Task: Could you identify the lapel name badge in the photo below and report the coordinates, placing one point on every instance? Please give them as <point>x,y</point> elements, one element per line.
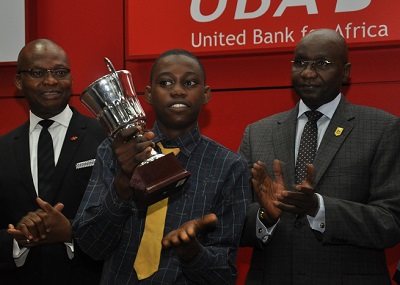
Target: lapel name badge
<point>87,163</point>
<point>338,131</point>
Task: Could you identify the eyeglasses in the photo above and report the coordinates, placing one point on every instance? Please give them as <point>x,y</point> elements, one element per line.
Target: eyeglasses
<point>40,73</point>
<point>318,65</point>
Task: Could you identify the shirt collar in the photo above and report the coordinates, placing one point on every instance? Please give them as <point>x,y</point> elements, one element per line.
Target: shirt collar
<point>62,118</point>
<point>327,109</point>
<point>186,142</point>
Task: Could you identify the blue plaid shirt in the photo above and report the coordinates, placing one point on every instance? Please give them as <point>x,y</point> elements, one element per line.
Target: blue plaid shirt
<point>110,229</point>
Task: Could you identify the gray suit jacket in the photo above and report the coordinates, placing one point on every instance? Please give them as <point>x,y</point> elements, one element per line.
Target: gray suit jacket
<point>358,176</point>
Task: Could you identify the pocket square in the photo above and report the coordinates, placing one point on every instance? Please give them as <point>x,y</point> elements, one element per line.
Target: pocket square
<point>83,164</point>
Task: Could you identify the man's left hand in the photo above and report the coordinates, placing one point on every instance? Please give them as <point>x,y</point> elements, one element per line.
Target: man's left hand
<point>304,200</point>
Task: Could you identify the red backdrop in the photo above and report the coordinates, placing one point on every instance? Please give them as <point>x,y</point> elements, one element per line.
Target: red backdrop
<point>246,87</point>
<point>244,27</point>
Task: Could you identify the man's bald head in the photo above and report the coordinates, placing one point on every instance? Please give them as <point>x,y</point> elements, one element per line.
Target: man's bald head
<point>39,47</point>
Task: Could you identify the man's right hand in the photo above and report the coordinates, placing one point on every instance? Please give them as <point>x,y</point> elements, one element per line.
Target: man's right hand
<point>45,226</point>
<point>268,190</point>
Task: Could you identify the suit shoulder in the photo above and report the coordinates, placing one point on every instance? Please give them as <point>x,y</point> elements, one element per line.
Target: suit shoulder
<point>371,113</point>
<point>91,123</point>
<point>13,133</point>
<point>270,120</point>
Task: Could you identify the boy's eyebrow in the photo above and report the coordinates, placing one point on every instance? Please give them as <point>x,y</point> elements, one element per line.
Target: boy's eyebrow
<point>168,73</point>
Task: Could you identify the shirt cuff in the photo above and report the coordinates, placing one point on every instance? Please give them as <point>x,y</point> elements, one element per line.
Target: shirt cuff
<point>318,222</point>
<point>262,232</point>
<point>70,249</point>
<point>19,254</point>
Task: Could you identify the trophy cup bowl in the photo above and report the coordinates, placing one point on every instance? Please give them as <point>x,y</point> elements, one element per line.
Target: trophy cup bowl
<point>113,101</point>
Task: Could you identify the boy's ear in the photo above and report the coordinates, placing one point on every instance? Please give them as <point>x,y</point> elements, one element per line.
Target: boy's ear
<point>147,94</point>
<point>207,95</point>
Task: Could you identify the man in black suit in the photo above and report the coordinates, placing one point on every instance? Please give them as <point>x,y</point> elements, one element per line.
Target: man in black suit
<point>36,243</point>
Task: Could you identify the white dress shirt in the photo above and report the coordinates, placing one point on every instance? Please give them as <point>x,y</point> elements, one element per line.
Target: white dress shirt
<point>57,131</point>
<point>318,222</point>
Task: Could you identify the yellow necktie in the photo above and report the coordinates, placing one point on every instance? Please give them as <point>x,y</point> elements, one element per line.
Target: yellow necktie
<point>149,252</point>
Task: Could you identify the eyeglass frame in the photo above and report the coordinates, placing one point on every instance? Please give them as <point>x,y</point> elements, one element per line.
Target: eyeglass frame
<point>313,62</point>
<point>29,71</point>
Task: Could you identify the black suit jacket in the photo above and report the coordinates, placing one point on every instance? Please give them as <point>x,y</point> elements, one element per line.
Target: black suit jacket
<point>357,174</point>
<point>46,264</point>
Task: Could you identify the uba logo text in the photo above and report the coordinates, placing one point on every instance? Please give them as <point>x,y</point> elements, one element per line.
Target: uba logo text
<point>311,5</point>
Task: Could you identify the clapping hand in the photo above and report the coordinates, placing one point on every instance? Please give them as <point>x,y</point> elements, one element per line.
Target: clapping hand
<point>303,200</point>
<point>268,190</point>
<point>45,225</point>
<point>184,239</point>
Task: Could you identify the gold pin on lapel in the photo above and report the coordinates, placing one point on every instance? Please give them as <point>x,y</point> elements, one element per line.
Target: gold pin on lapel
<point>74,138</point>
<point>338,131</point>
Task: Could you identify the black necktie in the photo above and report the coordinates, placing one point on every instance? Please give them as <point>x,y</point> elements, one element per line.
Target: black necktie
<point>308,145</point>
<point>45,158</point>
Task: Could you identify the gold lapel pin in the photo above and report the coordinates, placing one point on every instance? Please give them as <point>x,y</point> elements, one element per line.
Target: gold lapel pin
<point>338,131</point>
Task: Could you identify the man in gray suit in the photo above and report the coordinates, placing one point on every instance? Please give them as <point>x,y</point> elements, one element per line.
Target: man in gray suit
<point>331,226</point>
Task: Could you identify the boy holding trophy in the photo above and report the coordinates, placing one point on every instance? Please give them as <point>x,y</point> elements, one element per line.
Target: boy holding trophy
<point>197,229</point>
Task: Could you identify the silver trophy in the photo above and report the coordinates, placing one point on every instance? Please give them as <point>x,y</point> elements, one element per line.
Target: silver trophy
<point>113,100</point>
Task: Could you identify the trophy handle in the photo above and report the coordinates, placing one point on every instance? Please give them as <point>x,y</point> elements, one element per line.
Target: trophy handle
<point>113,72</point>
<point>110,66</point>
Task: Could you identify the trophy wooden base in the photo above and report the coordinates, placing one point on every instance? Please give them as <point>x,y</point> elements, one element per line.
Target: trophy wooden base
<point>158,179</point>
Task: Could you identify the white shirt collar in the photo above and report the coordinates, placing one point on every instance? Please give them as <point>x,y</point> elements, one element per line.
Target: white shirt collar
<point>62,118</point>
<point>327,109</point>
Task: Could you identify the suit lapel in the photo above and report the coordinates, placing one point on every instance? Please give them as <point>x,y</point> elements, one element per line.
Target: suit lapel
<point>22,156</point>
<point>284,139</point>
<point>339,128</point>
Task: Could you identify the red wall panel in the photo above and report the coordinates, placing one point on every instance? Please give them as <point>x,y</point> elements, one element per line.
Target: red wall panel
<point>7,87</point>
<point>87,30</point>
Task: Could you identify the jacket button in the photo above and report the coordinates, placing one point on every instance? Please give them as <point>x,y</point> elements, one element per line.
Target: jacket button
<point>298,224</point>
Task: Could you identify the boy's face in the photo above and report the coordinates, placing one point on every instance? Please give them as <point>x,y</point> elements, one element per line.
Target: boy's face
<point>177,93</point>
